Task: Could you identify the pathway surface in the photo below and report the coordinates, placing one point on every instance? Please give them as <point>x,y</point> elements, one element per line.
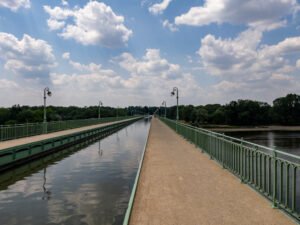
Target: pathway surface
<point>27,140</point>
<point>179,185</point>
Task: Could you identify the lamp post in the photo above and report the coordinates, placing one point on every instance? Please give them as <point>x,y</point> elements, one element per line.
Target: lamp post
<point>175,90</point>
<point>49,93</point>
<point>100,104</point>
<point>164,103</point>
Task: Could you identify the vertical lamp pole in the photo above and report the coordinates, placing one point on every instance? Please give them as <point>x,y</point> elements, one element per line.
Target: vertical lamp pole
<point>175,90</point>
<point>100,104</point>
<point>46,92</point>
<point>164,103</point>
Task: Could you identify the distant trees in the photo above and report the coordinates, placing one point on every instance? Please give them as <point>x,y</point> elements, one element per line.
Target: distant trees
<point>27,114</point>
<point>285,111</point>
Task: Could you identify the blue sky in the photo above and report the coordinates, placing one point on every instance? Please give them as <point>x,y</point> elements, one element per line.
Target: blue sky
<point>134,52</point>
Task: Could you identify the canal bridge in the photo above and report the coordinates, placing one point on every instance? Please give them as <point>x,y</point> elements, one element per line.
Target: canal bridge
<point>186,175</point>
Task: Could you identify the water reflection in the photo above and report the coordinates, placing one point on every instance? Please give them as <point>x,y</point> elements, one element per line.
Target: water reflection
<point>47,193</point>
<point>89,186</point>
<point>100,151</point>
<point>283,140</point>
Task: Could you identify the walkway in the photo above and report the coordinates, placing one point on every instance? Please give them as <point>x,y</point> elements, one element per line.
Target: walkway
<point>27,140</point>
<point>179,185</point>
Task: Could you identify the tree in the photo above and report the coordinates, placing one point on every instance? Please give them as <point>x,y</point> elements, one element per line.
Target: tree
<point>287,109</point>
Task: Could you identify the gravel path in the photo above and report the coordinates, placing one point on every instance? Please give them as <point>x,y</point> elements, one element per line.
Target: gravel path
<point>179,185</point>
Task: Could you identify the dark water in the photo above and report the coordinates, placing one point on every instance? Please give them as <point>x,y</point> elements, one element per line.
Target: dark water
<point>283,140</point>
<point>87,184</point>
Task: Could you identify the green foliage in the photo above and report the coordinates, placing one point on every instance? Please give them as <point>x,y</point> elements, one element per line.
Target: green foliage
<point>25,114</point>
<point>285,111</point>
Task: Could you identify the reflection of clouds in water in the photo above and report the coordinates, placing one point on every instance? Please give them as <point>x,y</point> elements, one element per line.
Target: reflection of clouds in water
<point>25,188</point>
<point>85,188</point>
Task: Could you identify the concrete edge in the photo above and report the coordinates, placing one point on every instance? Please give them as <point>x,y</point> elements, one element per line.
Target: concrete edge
<point>134,188</point>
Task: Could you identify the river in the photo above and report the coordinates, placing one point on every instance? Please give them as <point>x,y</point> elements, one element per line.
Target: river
<point>288,141</point>
<point>87,184</point>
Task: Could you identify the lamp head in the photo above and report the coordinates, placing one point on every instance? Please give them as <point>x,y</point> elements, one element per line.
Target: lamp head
<point>49,93</point>
<point>172,93</point>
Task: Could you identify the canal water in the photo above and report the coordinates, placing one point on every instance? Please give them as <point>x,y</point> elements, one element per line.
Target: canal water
<point>86,184</point>
<point>288,141</point>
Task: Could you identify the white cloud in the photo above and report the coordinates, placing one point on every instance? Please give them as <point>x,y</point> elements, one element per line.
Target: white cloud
<point>55,24</point>
<point>66,55</point>
<point>149,80</point>
<point>14,5</point>
<point>28,56</point>
<point>172,27</point>
<point>247,68</point>
<point>7,84</point>
<point>150,65</point>
<point>94,24</point>
<point>64,2</point>
<point>159,8</point>
<point>251,12</point>
<point>245,57</point>
<point>298,64</point>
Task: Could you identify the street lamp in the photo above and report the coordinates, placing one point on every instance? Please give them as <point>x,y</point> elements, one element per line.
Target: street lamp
<point>100,104</point>
<point>175,89</point>
<point>164,103</point>
<point>49,93</point>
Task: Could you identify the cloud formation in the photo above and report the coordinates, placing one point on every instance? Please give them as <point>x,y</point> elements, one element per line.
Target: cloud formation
<point>149,76</point>
<point>172,27</point>
<point>94,24</point>
<point>14,5</point>
<point>28,56</point>
<point>152,64</point>
<point>245,55</point>
<point>247,68</point>
<point>251,12</point>
<point>159,8</point>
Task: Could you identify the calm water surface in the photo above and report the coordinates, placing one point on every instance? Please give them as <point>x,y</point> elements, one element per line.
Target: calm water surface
<point>283,140</point>
<point>81,185</point>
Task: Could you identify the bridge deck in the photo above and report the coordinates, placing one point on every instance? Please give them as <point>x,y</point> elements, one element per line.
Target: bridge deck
<point>27,140</point>
<point>180,185</point>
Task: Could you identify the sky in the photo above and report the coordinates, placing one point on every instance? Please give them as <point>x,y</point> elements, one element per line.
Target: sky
<point>134,52</point>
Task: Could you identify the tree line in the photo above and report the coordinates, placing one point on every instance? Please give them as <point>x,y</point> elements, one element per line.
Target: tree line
<point>284,111</point>
<point>32,114</point>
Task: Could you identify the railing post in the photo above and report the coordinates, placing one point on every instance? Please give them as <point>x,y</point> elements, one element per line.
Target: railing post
<point>1,131</point>
<point>274,203</point>
<point>243,162</point>
<point>223,152</point>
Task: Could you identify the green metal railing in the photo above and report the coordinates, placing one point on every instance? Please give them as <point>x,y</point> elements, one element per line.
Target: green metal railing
<point>9,132</point>
<point>273,173</point>
<point>12,156</point>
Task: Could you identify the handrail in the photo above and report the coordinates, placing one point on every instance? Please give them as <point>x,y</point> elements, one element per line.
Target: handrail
<point>135,185</point>
<point>273,173</point>
<point>271,150</point>
<point>9,132</point>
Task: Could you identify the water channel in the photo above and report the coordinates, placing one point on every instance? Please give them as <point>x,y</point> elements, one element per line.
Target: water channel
<point>86,184</point>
